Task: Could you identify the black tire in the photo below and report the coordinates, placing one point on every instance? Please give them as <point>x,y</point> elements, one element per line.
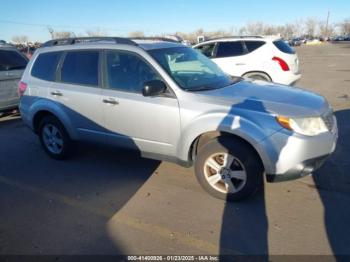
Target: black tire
<point>258,76</point>
<point>245,157</point>
<point>51,121</point>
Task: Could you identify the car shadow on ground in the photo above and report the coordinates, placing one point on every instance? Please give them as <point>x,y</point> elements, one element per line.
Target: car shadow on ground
<point>62,207</point>
<point>105,179</point>
<point>333,184</point>
<point>245,224</point>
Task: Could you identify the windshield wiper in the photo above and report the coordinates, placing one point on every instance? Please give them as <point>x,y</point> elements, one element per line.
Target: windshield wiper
<point>202,88</point>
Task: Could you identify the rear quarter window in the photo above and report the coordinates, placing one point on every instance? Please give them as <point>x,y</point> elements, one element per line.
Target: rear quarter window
<point>45,66</point>
<point>253,45</point>
<point>284,47</point>
<point>12,60</point>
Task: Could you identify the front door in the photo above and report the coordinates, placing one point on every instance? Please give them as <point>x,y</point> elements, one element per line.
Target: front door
<point>148,124</point>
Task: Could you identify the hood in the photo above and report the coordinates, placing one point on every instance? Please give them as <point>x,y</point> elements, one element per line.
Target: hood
<point>256,95</point>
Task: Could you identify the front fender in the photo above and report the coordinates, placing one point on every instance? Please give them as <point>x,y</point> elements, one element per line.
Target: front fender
<point>239,126</point>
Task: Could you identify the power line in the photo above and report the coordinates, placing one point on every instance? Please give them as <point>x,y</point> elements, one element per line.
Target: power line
<point>60,26</point>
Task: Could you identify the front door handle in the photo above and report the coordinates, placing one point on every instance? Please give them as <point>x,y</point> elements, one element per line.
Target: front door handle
<point>240,64</point>
<point>110,101</point>
<point>56,93</point>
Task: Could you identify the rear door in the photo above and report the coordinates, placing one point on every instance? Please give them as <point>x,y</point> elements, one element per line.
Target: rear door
<point>230,57</point>
<point>78,92</point>
<point>12,65</point>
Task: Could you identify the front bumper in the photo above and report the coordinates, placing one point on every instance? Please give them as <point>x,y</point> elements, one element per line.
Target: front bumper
<point>303,169</point>
<point>292,156</point>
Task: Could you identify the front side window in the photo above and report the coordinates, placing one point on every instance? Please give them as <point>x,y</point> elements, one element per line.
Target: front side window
<point>191,70</point>
<point>12,60</point>
<point>227,49</point>
<point>80,67</point>
<point>206,50</point>
<point>45,66</point>
<point>128,72</point>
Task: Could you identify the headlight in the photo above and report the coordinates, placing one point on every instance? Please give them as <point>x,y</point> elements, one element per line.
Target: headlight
<point>309,126</point>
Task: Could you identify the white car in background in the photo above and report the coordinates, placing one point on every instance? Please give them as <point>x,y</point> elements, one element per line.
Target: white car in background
<point>263,58</point>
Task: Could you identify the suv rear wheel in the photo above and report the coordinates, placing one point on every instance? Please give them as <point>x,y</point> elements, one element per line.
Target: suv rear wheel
<point>54,138</point>
<point>228,169</point>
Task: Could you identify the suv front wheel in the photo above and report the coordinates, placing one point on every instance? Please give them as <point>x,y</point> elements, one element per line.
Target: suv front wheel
<point>54,138</point>
<point>229,169</point>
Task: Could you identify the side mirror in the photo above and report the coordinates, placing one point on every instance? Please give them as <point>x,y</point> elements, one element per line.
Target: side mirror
<point>153,88</point>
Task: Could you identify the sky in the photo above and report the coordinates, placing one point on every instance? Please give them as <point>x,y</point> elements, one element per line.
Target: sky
<point>118,18</point>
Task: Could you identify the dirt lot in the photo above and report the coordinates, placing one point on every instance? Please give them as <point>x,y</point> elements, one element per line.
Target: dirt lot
<point>109,202</point>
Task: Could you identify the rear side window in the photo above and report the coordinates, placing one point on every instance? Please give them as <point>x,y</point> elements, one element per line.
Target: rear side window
<point>284,47</point>
<point>80,68</point>
<point>227,49</point>
<point>206,50</point>
<point>253,45</point>
<point>45,66</point>
<point>11,60</point>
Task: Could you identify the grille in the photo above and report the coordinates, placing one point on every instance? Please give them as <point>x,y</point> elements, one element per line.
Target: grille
<point>328,119</point>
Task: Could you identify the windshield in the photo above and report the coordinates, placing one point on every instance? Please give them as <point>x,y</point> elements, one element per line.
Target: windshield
<point>191,70</point>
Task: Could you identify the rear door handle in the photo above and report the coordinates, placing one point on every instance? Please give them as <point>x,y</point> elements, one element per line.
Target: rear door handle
<point>240,64</point>
<point>110,101</point>
<point>56,93</point>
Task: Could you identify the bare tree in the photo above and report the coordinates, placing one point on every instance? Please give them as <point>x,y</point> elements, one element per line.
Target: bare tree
<point>326,30</point>
<point>311,26</point>
<point>271,30</point>
<point>192,36</point>
<point>255,28</point>
<point>299,27</point>
<point>345,27</point>
<point>136,34</point>
<point>63,34</point>
<point>289,31</point>
<point>21,39</point>
<point>96,32</point>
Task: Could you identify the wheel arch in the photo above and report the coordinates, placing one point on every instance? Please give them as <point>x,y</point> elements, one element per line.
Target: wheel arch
<point>258,72</point>
<point>43,110</point>
<point>204,138</point>
<point>38,117</point>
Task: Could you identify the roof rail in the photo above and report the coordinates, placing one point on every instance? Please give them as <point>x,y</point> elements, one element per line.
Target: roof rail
<point>6,45</point>
<point>239,36</point>
<point>165,39</point>
<point>76,40</point>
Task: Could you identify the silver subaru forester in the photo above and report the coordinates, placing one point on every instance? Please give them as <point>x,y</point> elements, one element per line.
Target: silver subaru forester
<point>170,102</point>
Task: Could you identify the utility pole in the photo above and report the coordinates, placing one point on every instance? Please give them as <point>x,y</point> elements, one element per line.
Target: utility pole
<point>51,31</point>
<point>327,34</point>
